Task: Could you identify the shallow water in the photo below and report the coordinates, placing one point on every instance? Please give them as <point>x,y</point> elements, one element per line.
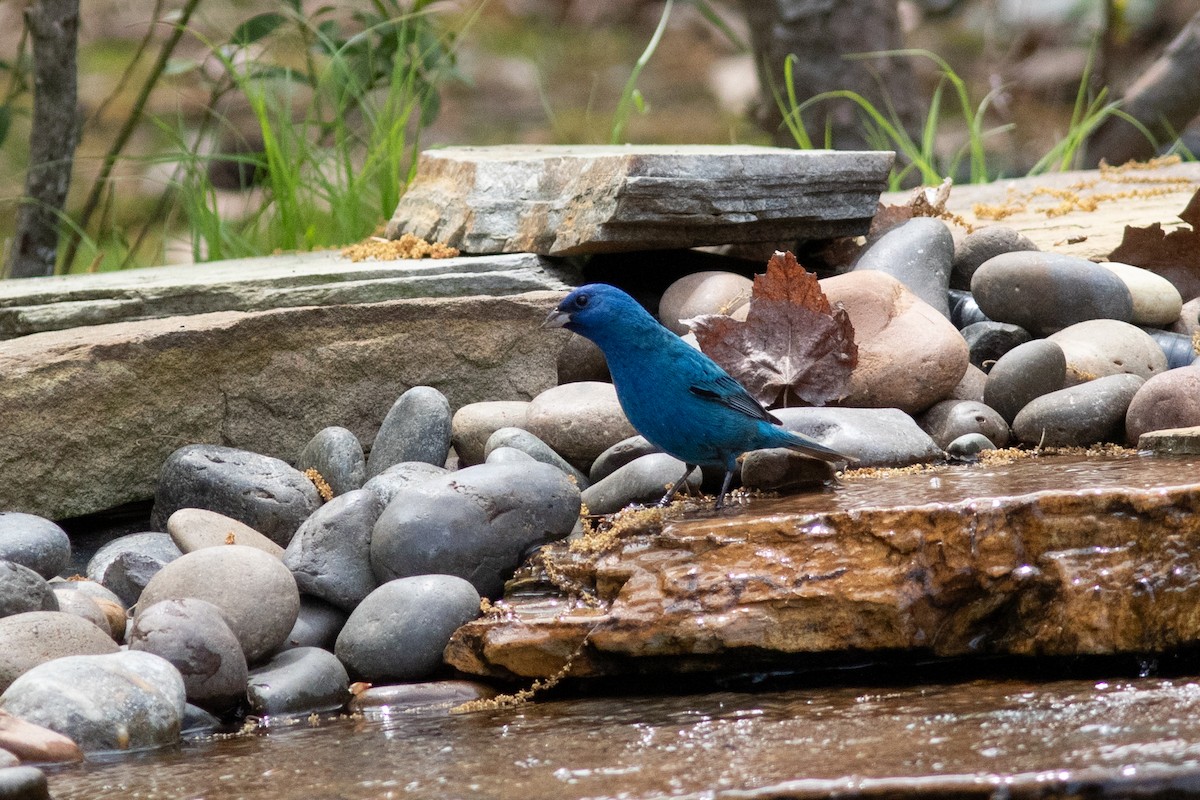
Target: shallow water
<point>808,736</point>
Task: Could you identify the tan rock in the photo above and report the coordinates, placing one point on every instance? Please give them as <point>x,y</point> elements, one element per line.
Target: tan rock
<point>1169,400</point>
<point>899,562</point>
<point>909,355</point>
<point>34,637</point>
<point>1098,348</point>
<point>579,420</point>
<point>196,528</point>
<point>30,742</point>
<point>88,415</point>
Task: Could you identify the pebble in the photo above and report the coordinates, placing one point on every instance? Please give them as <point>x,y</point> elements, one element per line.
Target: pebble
<point>23,783</point>
<point>919,253</point>
<point>981,245</point>
<point>330,556</point>
<point>877,437</point>
<point>192,634</point>
<point>121,701</point>
<point>476,523</point>
<point>337,455</point>
<point>779,469</point>
<point>579,421</point>
<point>198,722</point>
<point>909,355</point>
<point>126,564</point>
<point>1156,301</point>
<point>952,419</point>
<point>112,606</point>
<point>400,630</point>
<point>699,293</point>
<point>1101,347</point>
<point>1046,292</point>
<point>643,480</point>
<point>987,341</point>
<point>531,445</point>
<point>22,589</point>
<point>35,637</point>
<point>1179,349</point>
<point>30,742</point>
<point>400,476</point>
<point>969,445</point>
<point>972,385</point>
<point>420,697</point>
<point>1189,318</point>
<point>581,360</point>
<point>619,455</point>
<point>1169,400</point>
<point>34,542</point>
<point>416,428</point>
<point>475,422</point>
<point>301,680</point>
<point>1026,372</point>
<point>194,529</point>
<point>317,624</point>
<point>267,494</point>
<point>255,592</point>
<point>964,310</point>
<point>72,601</point>
<point>1079,416</point>
<point>509,455</point>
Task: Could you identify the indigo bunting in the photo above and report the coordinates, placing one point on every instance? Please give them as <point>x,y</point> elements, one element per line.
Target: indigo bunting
<point>674,395</point>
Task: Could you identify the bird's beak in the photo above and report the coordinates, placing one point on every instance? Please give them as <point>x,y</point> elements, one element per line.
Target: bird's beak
<point>556,319</point>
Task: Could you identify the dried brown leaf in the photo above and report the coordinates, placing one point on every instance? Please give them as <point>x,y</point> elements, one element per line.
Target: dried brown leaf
<point>1174,255</point>
<point>793,348</point>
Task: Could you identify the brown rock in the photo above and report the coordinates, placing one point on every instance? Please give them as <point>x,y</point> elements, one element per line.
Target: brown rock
<point>196,528</point>
<point>34,637</point>
<point>260,381</point>
<point>1088,567</point>
<point>579,420</point>
<point>30,742</point>
<point>909,355</point>
<point>1169,400</point>
<point>475,422</point>
<point>971,386</point>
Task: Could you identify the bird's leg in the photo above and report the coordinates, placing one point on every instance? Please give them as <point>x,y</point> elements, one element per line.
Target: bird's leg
<point>670,495</point>
<point>724,488</point>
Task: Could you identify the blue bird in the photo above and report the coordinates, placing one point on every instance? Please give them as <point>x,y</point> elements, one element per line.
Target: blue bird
<point>674,395</point>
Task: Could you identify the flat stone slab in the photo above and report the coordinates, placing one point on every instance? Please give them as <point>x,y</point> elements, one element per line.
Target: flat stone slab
<point>253,284</point>
<point>1175,441</point>
<point>571,200</point>
<point>1045,556</point>
<point>88,415</point>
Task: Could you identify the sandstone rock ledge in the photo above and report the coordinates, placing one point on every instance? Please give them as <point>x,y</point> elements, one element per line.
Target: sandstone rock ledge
<point>1039,557</point>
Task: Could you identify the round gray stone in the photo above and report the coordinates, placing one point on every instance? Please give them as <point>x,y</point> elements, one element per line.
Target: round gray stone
<point>951,419</point>
<point>619,455</point>
<point>1079,416</point>
<point>416,428</point>
<point>400,476</point>
<point>193,635</point>
<point>778,469</point>
<point>969,445</point>
<point>35,637</point>
<point>267,494</point>
<point>22,589</point>
<point>317,624</point>
<point>964,310</point>
<point>919,254</point>
<point>121,701</point>
<point>301,680</point>
<point>877,437</point>
<point>255,592</point>
<point>401,629</point>
<point>987,341</point>
<point>981,245</point>
<point>643,480</point>
<point>34,542</point>
<point>23,783</point>
<point>1026,372</point>
<point>476,523</point>
<point>527,443</point>
<point>475,422</point>
<point>1046,292</point>
<point>126,564</point>
<point>337,455</point>
<point>509,455</point>
<point>330,556</point>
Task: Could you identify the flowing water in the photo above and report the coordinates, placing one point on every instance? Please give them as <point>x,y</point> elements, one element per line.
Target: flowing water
<point>946,729</point>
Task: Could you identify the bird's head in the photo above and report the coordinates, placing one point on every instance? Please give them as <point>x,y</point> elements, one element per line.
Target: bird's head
<point>590,309</point>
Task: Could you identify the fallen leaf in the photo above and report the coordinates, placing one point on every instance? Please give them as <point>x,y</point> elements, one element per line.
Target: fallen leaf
<point>793,349</point>
<point>1174,255</point>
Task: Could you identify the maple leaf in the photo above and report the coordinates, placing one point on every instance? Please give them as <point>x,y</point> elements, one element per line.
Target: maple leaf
<point>1174,255</point>
<point>793,348</point>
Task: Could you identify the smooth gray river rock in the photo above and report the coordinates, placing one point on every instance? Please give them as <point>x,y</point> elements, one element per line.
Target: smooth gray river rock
<point>35,637</point>
<point>918,253</point>
<point>579,420</point>
<point>300,680</point>
<point>531,445</point>
<point>950,419</point>
<point>34,542</point>
<point>877,437</point>
<point>1080,415</point>
<point>1026,372</point>
<point>1101,347</point>
<point>400,476</point>
<point>22,589</point>
<point>337,455</point>
<point>980,245</point>
<point>619,455</point>
<point>475,422</point>
<point>317,624</point>
<point>416,428</point>
<point>330,556</point>
<point>126,564</point>
<point>989,340</point>
<point>643,480</point>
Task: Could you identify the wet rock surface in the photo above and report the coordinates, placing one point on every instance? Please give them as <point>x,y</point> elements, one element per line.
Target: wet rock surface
<point>866,569</point>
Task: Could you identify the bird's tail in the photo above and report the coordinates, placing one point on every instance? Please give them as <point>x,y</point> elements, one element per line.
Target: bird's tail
<point>810,447</point>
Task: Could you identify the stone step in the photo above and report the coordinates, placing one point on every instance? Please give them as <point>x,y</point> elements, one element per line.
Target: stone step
<point>253,284</point>
<point>571,200</point>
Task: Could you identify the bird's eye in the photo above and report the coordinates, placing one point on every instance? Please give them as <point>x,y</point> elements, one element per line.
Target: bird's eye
<point>581,300</point>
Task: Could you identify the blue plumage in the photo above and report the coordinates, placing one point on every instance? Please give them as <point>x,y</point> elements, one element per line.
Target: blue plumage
<point>675,396</point>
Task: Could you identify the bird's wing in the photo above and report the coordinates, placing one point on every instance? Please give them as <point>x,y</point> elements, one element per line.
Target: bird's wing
<point>728,392</point>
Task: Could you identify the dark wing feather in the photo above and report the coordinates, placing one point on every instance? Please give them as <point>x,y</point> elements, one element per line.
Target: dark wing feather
<point>728,392</point>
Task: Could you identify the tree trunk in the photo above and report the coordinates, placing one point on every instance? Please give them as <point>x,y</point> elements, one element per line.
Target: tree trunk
<point>821,33</point>
<point>53,27</point>
<point>1164,99</point>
